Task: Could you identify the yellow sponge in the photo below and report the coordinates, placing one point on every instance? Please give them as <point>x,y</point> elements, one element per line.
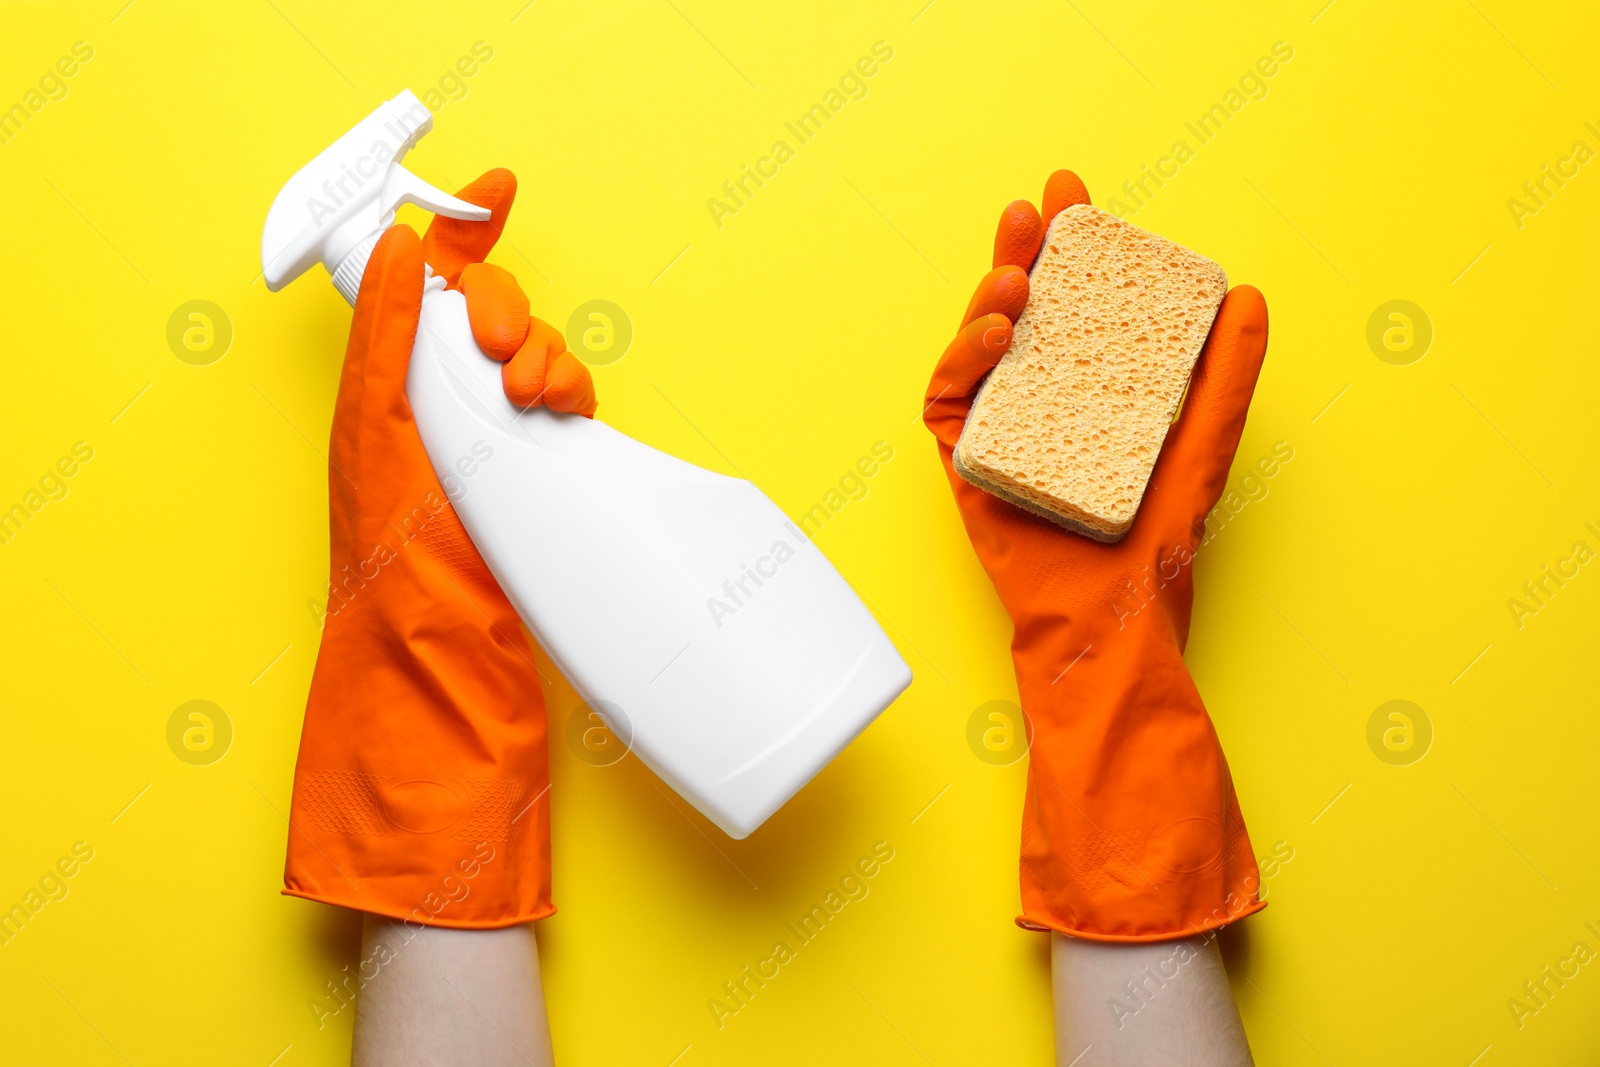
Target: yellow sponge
<point>1070,422</point>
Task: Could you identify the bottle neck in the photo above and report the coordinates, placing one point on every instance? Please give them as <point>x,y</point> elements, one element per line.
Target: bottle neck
<point>347,276</point>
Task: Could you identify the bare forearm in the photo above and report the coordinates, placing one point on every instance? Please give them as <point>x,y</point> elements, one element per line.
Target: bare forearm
<point>450,996</point>
<point>1130,1005</point>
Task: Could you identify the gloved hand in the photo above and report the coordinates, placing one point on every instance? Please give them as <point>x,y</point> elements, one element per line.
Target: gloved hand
<point>1131,830</point>
<point>420,788</point>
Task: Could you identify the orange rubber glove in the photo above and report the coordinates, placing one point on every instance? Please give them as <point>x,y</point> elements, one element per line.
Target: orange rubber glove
<point>1131,830</point>
<point>420,789</point>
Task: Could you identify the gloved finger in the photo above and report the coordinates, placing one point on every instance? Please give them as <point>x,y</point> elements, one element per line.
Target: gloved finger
<point>524,376</point>
<point>568,386</point>
<point>497,309</point>
<point>450,244</point>
<point>1200,448</point>
<point>1062,189</point>
<point>973,354</point>
<point>1021,232</point>
<point>1003,291</point>
<point>371,412</point>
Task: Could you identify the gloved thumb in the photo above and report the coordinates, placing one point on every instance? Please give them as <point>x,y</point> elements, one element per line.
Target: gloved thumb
<point>1200,448</point>
<point>372,404</point>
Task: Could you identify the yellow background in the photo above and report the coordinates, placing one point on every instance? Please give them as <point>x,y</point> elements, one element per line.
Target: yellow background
<point>783,345</point>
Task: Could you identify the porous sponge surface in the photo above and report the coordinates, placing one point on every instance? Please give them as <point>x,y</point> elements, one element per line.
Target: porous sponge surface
<point>1072,419</point>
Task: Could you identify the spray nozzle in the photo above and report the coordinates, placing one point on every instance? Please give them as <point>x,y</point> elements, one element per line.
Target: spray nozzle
<point>338,205</point>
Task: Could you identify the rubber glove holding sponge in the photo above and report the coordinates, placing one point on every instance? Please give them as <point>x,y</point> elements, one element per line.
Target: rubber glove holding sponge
<point>1131,829</point>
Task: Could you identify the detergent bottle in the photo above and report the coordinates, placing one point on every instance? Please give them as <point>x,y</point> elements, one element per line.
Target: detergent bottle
<point>707,631</point>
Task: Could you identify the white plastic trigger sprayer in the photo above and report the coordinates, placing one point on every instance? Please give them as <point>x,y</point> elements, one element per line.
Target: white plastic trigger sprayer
<point>685,608</point>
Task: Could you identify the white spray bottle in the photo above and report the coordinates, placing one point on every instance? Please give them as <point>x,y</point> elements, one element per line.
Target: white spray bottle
<point>684,607</point>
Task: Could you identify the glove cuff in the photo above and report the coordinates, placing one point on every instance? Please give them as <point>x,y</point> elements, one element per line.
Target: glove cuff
<point>1131,829</point>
